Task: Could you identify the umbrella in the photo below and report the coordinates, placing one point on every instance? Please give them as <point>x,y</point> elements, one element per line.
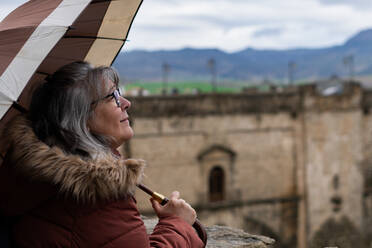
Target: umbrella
<point>42,35</point>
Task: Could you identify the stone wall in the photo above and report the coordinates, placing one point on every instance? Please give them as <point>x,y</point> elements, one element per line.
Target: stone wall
<point>290,160</point>
<point>223,236</point>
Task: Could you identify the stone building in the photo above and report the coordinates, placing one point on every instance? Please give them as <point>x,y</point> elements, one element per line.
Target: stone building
<point>295,166</point>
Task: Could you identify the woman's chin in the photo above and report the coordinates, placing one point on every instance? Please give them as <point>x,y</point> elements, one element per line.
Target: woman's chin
<point>123,138</point>
<point>129,134</point>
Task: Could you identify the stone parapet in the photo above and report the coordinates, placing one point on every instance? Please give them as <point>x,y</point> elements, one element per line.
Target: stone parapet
<point>304,98</point>
<point>367,101</point>
<point>350,98</point>
<point>213,104</point>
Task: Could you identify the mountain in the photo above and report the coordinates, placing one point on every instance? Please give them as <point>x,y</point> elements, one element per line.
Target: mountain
<point>354,56</point>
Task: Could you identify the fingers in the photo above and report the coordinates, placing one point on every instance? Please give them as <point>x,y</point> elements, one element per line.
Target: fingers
<point>175,195</point>
<point>176,201</point>
<point>155,205</point>
<point>175,206</point>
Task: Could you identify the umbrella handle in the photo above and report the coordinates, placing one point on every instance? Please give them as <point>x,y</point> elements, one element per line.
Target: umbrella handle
<point>200,229</point>
<point>198,226</point>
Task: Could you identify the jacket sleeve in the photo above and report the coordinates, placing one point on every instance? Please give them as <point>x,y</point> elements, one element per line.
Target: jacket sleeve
<point>172,231</point>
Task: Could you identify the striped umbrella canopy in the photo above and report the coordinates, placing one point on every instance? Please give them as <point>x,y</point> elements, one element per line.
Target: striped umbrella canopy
<point>42,35</point>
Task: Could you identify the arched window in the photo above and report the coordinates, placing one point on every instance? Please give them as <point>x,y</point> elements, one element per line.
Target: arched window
<point>216,184</point>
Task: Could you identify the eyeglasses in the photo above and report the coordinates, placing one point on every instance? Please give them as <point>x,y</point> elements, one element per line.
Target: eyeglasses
<point>116,94</point>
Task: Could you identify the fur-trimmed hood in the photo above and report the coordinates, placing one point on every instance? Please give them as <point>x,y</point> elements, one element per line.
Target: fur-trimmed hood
<point>87,181</point>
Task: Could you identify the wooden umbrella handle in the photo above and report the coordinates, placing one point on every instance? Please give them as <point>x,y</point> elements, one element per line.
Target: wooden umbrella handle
<point>198,226</point>
<point>200,229</point>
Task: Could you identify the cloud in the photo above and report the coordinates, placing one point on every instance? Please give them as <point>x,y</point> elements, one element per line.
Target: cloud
<point>237,24</point>
<point>264,32</point>
<point>233,25</point>
<point>358,4</point>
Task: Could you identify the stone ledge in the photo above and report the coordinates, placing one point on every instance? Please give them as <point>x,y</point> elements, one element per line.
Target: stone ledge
<point>223,236</point>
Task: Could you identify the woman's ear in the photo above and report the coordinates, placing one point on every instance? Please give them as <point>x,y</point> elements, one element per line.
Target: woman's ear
<point>89,124</point>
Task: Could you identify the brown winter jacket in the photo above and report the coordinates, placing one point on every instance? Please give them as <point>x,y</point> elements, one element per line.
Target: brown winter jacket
<point>59,200</point>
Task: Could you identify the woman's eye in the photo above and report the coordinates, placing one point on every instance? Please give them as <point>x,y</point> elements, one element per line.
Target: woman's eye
<point>110,96</point>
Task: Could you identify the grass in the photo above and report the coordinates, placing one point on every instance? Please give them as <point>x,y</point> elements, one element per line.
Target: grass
<point>186,87</point>
<point>191,87</point>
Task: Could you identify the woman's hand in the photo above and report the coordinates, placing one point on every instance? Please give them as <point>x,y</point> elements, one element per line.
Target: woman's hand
<point>175,206</point>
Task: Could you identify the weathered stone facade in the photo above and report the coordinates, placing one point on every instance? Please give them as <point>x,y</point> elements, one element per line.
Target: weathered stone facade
<point>287,165</point>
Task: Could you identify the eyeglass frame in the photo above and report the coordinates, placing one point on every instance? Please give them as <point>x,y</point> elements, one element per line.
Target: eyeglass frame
<point>116,94</point>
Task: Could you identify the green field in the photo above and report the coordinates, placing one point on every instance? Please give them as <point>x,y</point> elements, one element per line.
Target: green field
<point>189,87</point>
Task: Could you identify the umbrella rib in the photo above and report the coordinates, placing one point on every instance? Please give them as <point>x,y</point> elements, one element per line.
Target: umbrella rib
<point>43,73</point>
<point>92,37</point>
<point>100,1</point>
<point>19,107</point>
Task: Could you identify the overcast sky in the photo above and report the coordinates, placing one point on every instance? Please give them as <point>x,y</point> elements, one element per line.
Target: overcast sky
<point>232,25</point>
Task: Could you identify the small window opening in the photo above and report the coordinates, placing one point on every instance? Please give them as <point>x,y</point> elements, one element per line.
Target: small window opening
<point>216,184</point>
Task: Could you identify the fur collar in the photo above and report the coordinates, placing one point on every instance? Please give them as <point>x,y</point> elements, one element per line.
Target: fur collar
<point>87,181</point>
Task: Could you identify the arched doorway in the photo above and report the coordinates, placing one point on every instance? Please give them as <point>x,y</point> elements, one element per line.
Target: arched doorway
<point>337,233</point>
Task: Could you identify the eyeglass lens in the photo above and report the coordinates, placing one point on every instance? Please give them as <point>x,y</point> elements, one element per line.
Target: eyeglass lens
<point>117,95</point>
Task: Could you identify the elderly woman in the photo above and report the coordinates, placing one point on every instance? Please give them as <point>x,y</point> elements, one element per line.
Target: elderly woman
<point>63,182</point>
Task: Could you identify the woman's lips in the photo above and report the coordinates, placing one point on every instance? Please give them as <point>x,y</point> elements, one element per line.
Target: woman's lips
<point>125,120</point>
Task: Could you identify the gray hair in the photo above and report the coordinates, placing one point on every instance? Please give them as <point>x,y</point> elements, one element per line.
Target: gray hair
<point>61,107</point>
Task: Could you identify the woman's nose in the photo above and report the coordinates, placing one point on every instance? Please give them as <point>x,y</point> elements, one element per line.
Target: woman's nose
<point>124,103</point>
